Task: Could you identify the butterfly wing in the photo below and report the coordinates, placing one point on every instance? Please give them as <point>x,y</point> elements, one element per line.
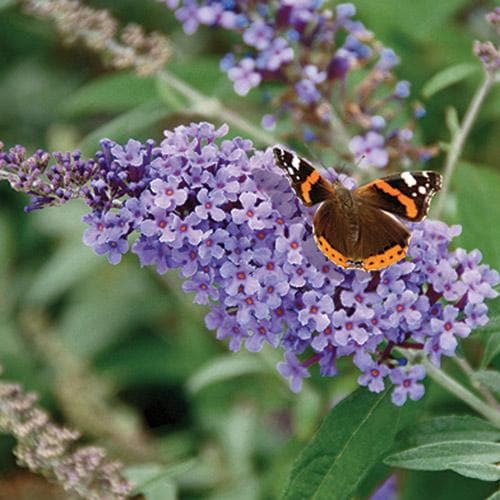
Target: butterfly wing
<point>306,181</point>
<point>333,233</point>
<point>406,195</point>
<point>383,239</point>
<point>379,240</point>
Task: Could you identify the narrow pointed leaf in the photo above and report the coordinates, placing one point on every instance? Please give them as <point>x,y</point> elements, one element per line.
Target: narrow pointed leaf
<point>448,76</point>
<point>129,124</point>
<point>113,93</point>
<point>224,368</point>
<point>353,438</point>
<point>484,472</point>
<point>450,428</point>
<point>440,456</point>
<point>478,199</point>
<point>490,379</point>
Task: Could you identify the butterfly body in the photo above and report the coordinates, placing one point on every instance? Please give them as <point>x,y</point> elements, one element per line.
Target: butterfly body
<point>360,229</point>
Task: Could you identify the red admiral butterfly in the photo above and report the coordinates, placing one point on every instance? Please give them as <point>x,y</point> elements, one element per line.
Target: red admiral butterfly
<point>358,229</point>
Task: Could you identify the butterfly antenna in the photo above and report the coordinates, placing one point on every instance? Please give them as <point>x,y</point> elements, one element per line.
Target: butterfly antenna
<point>314,156</point>
<point>361,158</point>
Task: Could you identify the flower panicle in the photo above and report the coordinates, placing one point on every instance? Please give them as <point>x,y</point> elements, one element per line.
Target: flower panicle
<point>312,51</point>
<point>225,216</point>
<point>49,179</point>
<point>129,47</point>
<point>49,449</point>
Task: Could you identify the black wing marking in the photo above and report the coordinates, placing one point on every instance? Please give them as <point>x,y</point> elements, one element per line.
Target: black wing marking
<point>306,181</point>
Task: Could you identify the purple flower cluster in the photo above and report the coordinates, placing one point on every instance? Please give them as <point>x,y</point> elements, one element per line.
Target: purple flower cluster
<point>312,51</point>
<point>226,218</point>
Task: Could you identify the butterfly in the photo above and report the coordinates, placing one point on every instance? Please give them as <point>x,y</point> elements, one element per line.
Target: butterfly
<point>360,229</point>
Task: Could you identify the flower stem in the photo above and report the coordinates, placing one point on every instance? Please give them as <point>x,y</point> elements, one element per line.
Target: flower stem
<point>460,136</point>
<point>463,364</point>
<point>211,107</point>
<point>455,388</point>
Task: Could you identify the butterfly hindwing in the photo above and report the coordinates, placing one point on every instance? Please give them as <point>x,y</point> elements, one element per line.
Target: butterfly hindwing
<point>406,195</point>
<point>332,232</point>
<point>306,181</point>
<point>383,239</point>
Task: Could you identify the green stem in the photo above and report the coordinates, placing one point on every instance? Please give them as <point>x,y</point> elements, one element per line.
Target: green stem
<point>339,134</point>
<point>455,388</point>
<point>464,365</point>
<point>211,107</point>
<point>460,136</point>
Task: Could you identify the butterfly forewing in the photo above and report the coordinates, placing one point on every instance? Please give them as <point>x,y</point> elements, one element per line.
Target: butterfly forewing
<point>406,195</point>
<point>306,181</point>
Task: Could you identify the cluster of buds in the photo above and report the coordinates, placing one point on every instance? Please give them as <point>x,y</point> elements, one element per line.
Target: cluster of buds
<point>489,52</point>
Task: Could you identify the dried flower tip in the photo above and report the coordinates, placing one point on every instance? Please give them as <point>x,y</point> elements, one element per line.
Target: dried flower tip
<point>98,30</point>
<point>488,54</point>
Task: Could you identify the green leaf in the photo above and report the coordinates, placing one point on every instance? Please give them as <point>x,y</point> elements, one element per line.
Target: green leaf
<point>106,308</point>
<point>444,485</point>
<point>154,481</point>
<point>484,472</point>
<point>224,368</point>
<point>443,455</point>
<point>492,348</point>
<point>126,125</point>
<point>169,96</point>
<point>410,18</point>
<point>450,428</point>
<point>110,94</point>
<point>449,76</point>
<point>69,264</point>
<point>452,120</point>
<point>203,73</point>
<point>306,412</point>
<point>478,204</point>
<point>351,439</point>
<point>495,496</point>
<point>490,379</point>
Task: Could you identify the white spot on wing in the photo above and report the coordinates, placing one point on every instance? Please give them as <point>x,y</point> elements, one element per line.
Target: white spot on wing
<point>422,190</point>
<point>410,181</point>
<point>296,162</point>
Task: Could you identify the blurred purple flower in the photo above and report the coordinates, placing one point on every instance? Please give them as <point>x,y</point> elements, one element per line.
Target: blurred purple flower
<point>244,76</point>
<point>369,150</point>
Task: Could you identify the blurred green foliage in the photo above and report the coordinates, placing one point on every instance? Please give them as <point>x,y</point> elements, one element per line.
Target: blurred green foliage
<point>226,424</point>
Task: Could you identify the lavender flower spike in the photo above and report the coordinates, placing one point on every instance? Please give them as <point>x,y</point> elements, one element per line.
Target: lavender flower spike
<point>225,216</point>
<point>47,448</point>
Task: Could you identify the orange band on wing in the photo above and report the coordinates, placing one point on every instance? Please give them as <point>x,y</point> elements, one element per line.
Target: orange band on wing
<point>386,258</point>
<point>408,203</point>
<point>334,255</point>
<point>307,185</point>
